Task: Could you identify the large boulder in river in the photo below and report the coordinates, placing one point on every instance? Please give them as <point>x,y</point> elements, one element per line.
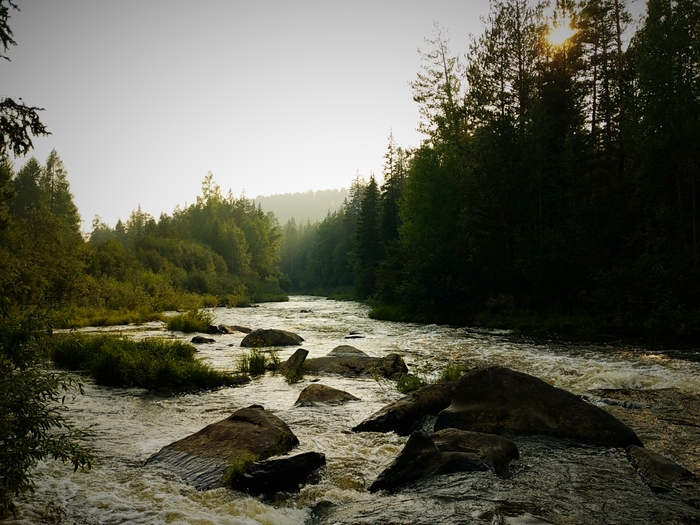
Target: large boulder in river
<point>201,459</point>
<point>271,337</point>
<point>317,393</point>
<point>497,400</point>
<point>280,474</point>
<point>349,361</point>
<point>496,451</point>
<point>294,366</point>
<point>420,459</point>
<point>405,415</point>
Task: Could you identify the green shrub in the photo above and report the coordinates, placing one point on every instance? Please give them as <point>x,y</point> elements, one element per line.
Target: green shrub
<point>385,312</point>
<point>154,364</point>
<point>191,321</point>
<point>78,317</point>
<point>451,373</point>
<point>238,466</point>
<point>255,363</point>
<point>408,383</point>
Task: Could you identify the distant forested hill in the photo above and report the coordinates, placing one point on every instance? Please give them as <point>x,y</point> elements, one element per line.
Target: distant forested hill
<point>310,206</point>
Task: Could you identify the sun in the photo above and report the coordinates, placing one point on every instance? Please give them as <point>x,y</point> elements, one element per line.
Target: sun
<point>561,32</point>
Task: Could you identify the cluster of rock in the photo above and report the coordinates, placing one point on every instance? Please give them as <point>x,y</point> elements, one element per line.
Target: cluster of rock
<point>245,439</point>
<point>452,427</point>
<point>487,403</point>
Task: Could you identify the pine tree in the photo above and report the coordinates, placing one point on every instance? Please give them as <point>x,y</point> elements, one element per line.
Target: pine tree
<point>367,241</point>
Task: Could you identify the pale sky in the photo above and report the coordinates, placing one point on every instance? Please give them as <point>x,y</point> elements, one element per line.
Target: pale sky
<point>144,97</point>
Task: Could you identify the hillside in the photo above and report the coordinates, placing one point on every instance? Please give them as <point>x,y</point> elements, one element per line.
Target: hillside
<point>311,206</point>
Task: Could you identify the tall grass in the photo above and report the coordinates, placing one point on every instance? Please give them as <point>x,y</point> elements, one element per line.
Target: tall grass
<point>154,364</point>
<point>256,363</point>
<point>191,321</point>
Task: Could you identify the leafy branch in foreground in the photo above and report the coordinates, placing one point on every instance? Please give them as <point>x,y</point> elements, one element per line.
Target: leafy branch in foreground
<point>33,426</point>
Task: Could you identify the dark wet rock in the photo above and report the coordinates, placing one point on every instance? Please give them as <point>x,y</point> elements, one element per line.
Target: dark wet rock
<point>657,471</point>
<point>271,337</point>
<point>497,400</point>
<point>350,361</point>
<point>294,366</point>
<point>420,459</point>
<point>405,415</point>
<point>354,336</point>
<point>496,451</point>
<point>214,330</point>
<point>201,459</point>
<point>665,419</point>
<point>280,474</point>
<point>233,329</point>
<point>316,393</point>
<point>200,340</point>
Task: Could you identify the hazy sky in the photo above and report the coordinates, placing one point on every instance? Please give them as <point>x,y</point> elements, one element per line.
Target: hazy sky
<point>144,97</point>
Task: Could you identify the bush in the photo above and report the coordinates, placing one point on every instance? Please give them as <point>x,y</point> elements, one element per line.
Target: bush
<point>191,321</point>
<point>451,373</point>
<point>385,312</point>
<point>33,424</point>
<point>408,383</point>
<point>154,364</point>
<point>256,363</point>
<point>238,466</point>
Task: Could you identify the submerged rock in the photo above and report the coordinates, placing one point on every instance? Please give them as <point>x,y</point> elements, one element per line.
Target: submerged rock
<point>201,459</point>
<point>271,337</point>
<point>279,475</point>
<point>316,393</point>
<point>421,459</point>
<point>405,415</point>
<point>497,400</point>
<point>200,340</point>
<point>657,471</point>
<point>232,329</point>
<point>349,361</point>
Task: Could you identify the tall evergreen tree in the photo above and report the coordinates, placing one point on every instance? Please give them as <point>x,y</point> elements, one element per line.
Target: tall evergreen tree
<point>367,241</point>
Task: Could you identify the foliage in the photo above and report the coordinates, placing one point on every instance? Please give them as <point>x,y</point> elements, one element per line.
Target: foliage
<point>34,424</point>
<point>155,364</point>
<point>451,373</point>
<point>563,178</point>
<point>238,465</point>
<point>256,363</point>
<point>191,321</point>
<point>408,383</point>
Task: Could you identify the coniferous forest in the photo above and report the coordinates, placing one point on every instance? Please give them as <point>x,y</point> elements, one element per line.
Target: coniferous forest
<point>556,186</point>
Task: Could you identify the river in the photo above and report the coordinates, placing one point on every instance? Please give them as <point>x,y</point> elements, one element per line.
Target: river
<point>553,482</point>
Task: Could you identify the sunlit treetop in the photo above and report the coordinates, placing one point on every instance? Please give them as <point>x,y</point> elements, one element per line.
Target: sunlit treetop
<point>560,32</point>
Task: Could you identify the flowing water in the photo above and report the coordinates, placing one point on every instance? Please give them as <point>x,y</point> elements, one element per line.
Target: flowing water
<point>553,482</point>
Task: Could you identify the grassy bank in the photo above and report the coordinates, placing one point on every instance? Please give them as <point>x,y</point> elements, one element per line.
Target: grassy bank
<point>155,364</point>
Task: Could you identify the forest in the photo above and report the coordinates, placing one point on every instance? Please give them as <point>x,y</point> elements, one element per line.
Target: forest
<point>556,188</point>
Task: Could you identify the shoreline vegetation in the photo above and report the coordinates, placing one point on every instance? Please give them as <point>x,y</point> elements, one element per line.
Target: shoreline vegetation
<point>158,365</point>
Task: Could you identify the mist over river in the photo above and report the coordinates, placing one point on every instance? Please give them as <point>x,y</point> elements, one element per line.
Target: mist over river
<point>553,481</point>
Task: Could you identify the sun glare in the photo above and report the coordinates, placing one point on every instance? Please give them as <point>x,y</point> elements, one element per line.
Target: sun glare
<point>561,32</point>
